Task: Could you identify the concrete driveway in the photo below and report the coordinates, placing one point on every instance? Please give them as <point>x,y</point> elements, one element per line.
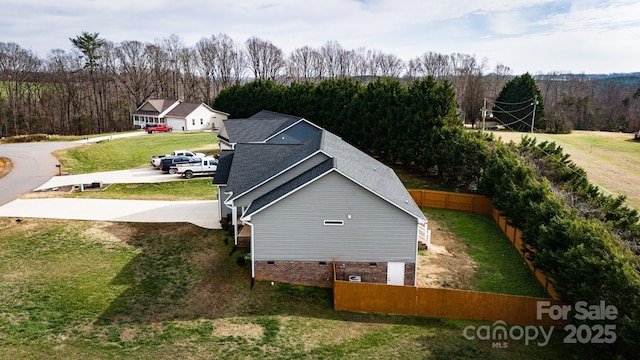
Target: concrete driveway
<point>34,169</point>
<point>131,176</point>
<point>200,213</point>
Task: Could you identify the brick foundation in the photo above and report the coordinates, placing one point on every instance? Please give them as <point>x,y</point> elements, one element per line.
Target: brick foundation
<point>314,273</point>
<point>244,242</point>
<point>409,274</point>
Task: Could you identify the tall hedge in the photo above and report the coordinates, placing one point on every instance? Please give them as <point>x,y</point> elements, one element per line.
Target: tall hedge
<point>584,258</point>
<point>392,120</point>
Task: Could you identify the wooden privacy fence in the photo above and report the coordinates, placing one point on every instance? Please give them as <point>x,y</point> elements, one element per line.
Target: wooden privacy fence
<point>514,234</point>
<point>440,303</point>
<point>478,204</point>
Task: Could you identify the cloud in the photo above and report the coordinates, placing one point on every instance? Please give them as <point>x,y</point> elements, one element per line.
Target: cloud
<point>527,35</point>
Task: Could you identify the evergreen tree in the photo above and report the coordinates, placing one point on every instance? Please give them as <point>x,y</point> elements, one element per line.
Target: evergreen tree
<point>519,105</point>
<point>89,45</point>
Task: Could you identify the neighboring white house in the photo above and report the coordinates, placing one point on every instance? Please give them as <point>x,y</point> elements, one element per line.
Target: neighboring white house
<point>181,115</point>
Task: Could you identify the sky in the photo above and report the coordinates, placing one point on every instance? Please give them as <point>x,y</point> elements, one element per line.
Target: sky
<point>535,36</point>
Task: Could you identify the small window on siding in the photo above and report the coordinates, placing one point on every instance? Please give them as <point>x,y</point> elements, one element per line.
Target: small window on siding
<point>201,122</point>
<point>193,121</point>
<point>270,262</point>
<point>334,222</point>
<point>322,263</point>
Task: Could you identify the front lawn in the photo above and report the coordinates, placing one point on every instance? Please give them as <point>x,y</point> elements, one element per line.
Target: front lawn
<point>95,290</point>
<point>133,152</point>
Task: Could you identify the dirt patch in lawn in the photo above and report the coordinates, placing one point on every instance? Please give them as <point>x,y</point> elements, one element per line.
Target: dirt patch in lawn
<point>228,327</point>
<point>445,263</point>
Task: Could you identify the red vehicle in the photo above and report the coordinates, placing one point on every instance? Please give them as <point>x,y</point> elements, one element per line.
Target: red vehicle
<point>154,128</point>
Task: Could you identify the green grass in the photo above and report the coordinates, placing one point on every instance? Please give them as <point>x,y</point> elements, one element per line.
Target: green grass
<point>413,181</point>
<point>500,269</point>
<point>611,160</point>
<point>133,152</point>
<point>193,189</point>
<point>78,290</point>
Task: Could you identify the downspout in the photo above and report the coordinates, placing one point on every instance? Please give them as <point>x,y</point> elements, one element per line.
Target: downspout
<point>234,220</point>
<point>415,270</point>
<point>253,261</point>
<point>219,203</point>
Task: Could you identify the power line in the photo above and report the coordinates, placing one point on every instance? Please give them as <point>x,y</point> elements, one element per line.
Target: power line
<point>508,103</point>
<point>530,102</point>
<point>508,126</point>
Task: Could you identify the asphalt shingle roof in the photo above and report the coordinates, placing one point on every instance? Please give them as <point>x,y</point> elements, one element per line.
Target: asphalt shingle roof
<point>258,127</point>
<point>183,109</point>
<point>224,167</point>
<point>159,105</point>
<point>256,162</point>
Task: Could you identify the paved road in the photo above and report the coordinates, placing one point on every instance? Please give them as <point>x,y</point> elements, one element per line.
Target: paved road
<point>33,165</point>
<point>34,168</point>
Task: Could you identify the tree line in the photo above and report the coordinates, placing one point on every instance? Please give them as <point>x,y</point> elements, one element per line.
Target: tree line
<point>94,86</point>
<point>390,119</point>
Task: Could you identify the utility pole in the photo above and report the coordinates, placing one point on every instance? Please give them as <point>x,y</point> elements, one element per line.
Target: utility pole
<point>533,119</point>
<point>484,113</point>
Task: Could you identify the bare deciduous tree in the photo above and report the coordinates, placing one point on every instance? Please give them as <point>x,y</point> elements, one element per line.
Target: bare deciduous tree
<point>135,69</point>
<point>266,59</point>
<point>497,80</point>
<point>62,99</point>
<point>466,75</point>
<point>218,58</point>
<point>436,65</point>
<point>390,65</point>
<point>302,65</point>
<point>188,77</point>
<point>172,48</point>
<point>18,67</point>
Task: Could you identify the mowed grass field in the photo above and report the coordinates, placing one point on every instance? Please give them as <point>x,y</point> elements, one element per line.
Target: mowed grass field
<point>98,290</point>
<point>611,160</point>
<point>133,152</point>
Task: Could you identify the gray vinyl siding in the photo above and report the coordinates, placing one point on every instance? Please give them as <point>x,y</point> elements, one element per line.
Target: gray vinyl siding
<point>293,228</point>
<point>281,179</point>
<point>224,210</point>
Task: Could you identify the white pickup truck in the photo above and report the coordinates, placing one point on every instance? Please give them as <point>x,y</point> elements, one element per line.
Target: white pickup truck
<point>206,166</point>
<point>156,159</point>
